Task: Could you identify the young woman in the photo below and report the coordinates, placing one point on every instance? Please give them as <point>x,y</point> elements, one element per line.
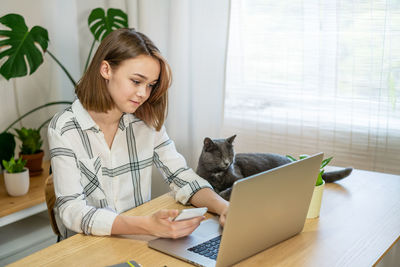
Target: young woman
<point>103,146</point>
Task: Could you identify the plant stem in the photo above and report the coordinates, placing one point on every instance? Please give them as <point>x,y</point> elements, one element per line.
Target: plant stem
<point>37,108</point>
<point>62,67</point>
<point>90,53</point>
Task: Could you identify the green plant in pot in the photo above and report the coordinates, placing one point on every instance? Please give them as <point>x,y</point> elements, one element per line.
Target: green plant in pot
<point>23,50</point>
<point>316,200</point>
<point>7,141</point>
<point>16,177</point>
<point>31,149</point>
<point>325,162</point>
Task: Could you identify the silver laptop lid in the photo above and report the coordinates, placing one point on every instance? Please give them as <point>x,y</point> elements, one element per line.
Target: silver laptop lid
<point>267,208</point>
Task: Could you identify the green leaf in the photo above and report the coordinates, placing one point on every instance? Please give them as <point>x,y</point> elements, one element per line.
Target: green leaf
<point>31,140</point>
<point>319,179</point>
<point>101,24</point>
<point>325,162</point>
<point>291,158</point>
<point>21,44</point>
<point>303,156</point>
<point>7,146</point>
<point>5,164</point>
<point>13,166</point>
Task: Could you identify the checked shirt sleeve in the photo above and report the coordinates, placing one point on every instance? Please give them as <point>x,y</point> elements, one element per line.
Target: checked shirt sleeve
<point>181,179</point>
<point>71,205</point>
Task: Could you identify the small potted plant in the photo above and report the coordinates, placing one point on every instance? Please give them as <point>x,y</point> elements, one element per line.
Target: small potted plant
<point>316,200</point>
<point>31,149</point>
<point>16,177</point>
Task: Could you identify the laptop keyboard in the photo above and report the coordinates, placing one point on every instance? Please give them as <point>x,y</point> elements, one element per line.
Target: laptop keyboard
<point>208,249</point>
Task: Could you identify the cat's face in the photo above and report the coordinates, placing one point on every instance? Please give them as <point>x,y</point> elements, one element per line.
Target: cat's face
<point>218,154</point>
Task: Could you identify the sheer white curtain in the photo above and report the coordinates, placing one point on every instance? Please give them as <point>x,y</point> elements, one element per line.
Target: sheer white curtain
<point>309,76</point>
<point>197,96</point>
<point>192,35</point>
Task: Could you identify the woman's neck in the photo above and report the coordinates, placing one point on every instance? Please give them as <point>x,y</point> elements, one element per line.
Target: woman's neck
<point>108,123</point>
<point>111,117</point>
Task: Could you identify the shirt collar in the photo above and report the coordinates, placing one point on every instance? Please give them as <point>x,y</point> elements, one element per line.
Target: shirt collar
<point>126,119</point>
<point>86,122</point>
<point>83,117</point>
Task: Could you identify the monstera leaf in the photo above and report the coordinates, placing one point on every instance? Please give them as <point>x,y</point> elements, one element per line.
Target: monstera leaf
<point>101,25</point>
<point>20,44</point>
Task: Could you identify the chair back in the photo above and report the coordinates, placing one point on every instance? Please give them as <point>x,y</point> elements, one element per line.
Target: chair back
<point>50,202</point>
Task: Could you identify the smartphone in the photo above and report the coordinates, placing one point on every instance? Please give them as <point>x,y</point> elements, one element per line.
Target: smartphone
<point>190,213</point>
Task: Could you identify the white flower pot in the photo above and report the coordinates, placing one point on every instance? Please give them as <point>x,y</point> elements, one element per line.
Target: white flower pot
<point>315,205</point>
<point>17,184</point>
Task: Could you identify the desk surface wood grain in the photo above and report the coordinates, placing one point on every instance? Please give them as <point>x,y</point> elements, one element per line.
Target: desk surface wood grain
<point>35,195</point>
<point>359,222</point>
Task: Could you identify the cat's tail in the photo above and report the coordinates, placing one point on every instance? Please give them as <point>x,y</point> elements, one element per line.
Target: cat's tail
<point>333,176</point>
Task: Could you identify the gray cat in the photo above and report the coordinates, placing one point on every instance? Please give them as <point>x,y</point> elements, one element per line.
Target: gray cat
<point>219,165</point>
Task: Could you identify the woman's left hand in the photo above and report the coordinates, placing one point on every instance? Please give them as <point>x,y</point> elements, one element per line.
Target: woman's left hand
<point>206,197</point>
<point>222,216</point>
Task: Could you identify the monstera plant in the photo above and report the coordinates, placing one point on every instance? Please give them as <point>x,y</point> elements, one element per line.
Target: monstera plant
<point>21,43</point>
<point>101,25</point>
<point>22,52</point>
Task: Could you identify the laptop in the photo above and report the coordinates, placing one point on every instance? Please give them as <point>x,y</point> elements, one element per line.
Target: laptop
<point>265,209</point>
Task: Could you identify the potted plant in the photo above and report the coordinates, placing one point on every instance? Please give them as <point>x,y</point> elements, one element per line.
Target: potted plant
<point>31,149</point>
<point>316,200</point>
<point>16,177</point>
<point>22,49</point>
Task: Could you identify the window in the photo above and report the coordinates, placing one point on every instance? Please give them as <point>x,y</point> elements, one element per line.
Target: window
<point>309,76</point>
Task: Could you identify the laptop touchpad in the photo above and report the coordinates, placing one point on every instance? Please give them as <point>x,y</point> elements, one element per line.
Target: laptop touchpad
<point>209,227</point>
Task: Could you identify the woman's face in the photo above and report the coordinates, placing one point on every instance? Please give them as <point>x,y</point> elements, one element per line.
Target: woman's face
<point>130,84</point>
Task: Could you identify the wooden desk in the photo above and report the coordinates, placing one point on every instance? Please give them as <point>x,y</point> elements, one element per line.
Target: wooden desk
<point>359,223</point>
<point>16,208</point>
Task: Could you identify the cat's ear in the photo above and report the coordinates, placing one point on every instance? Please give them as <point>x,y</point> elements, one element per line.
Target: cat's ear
<point>230,139</point>
<point>208,144</point>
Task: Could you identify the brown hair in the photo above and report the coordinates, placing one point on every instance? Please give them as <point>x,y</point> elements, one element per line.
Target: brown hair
<point>118,46</point>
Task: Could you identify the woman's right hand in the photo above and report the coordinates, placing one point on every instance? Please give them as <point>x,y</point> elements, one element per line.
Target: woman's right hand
<point>160,224</point>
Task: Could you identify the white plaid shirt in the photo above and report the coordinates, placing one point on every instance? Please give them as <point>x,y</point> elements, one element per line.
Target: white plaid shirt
<point>94,183</point>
